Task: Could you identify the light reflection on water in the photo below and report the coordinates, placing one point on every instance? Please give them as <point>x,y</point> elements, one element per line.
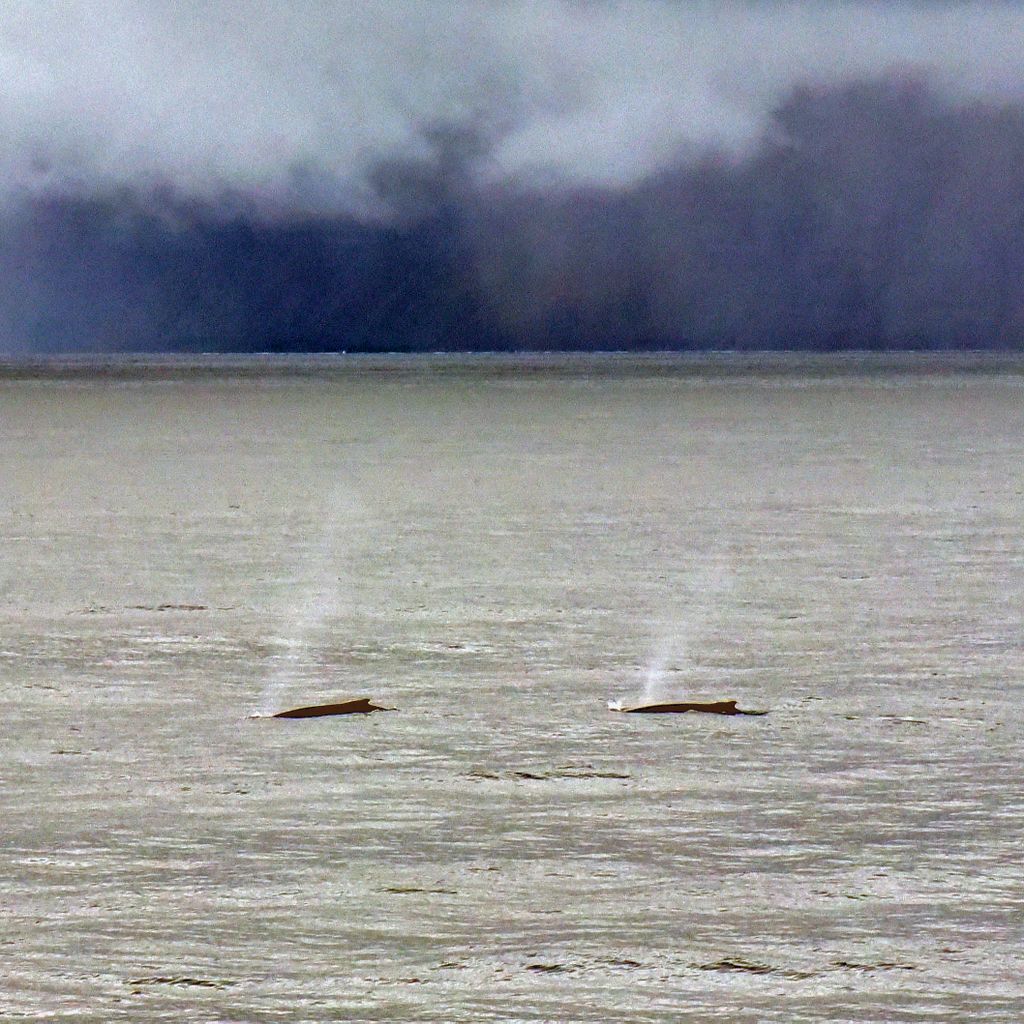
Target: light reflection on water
<point>504,557</point>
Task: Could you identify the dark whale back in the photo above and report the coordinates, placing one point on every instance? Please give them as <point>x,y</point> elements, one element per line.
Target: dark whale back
<point>717,707</point>
<point>356,706</point>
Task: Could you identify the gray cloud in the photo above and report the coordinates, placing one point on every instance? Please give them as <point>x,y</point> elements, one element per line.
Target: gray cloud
<point>293,102</point>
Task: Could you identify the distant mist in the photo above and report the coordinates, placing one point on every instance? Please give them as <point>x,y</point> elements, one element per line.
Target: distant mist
<point>242,175</point>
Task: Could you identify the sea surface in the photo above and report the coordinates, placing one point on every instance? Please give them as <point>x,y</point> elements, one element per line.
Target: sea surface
<point>497,548</point>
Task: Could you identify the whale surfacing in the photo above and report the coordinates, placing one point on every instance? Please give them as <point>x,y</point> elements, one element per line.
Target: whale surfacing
<point>356,706</point>
<point>715,707</point>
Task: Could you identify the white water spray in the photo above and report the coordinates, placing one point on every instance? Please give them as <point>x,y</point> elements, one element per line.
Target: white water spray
<point>321,598</point>
<point>673,650</point>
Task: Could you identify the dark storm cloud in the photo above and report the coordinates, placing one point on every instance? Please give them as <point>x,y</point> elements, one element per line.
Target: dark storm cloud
<point>253,174</point>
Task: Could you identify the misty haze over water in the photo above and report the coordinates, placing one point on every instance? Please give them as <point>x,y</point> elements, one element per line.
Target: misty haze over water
<point>505,363</point>
<point>544,174</point>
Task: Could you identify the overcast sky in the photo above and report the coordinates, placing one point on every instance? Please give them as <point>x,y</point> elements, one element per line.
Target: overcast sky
<point>205,94</point>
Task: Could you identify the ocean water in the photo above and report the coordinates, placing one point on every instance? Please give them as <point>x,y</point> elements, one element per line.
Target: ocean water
<point>497,549</point>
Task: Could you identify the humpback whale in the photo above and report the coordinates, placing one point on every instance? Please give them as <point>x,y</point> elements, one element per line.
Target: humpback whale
<point>715,707</point>
<point>355,706</point>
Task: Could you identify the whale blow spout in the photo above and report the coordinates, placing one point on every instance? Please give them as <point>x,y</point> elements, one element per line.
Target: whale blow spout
<point>717,707</point>
<point>356,706</point>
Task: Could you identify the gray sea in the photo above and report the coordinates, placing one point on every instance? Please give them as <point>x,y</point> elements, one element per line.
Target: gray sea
<point>497,548</point>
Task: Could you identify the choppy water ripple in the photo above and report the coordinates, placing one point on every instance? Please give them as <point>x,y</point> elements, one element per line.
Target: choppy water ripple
<point>503,848</point>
